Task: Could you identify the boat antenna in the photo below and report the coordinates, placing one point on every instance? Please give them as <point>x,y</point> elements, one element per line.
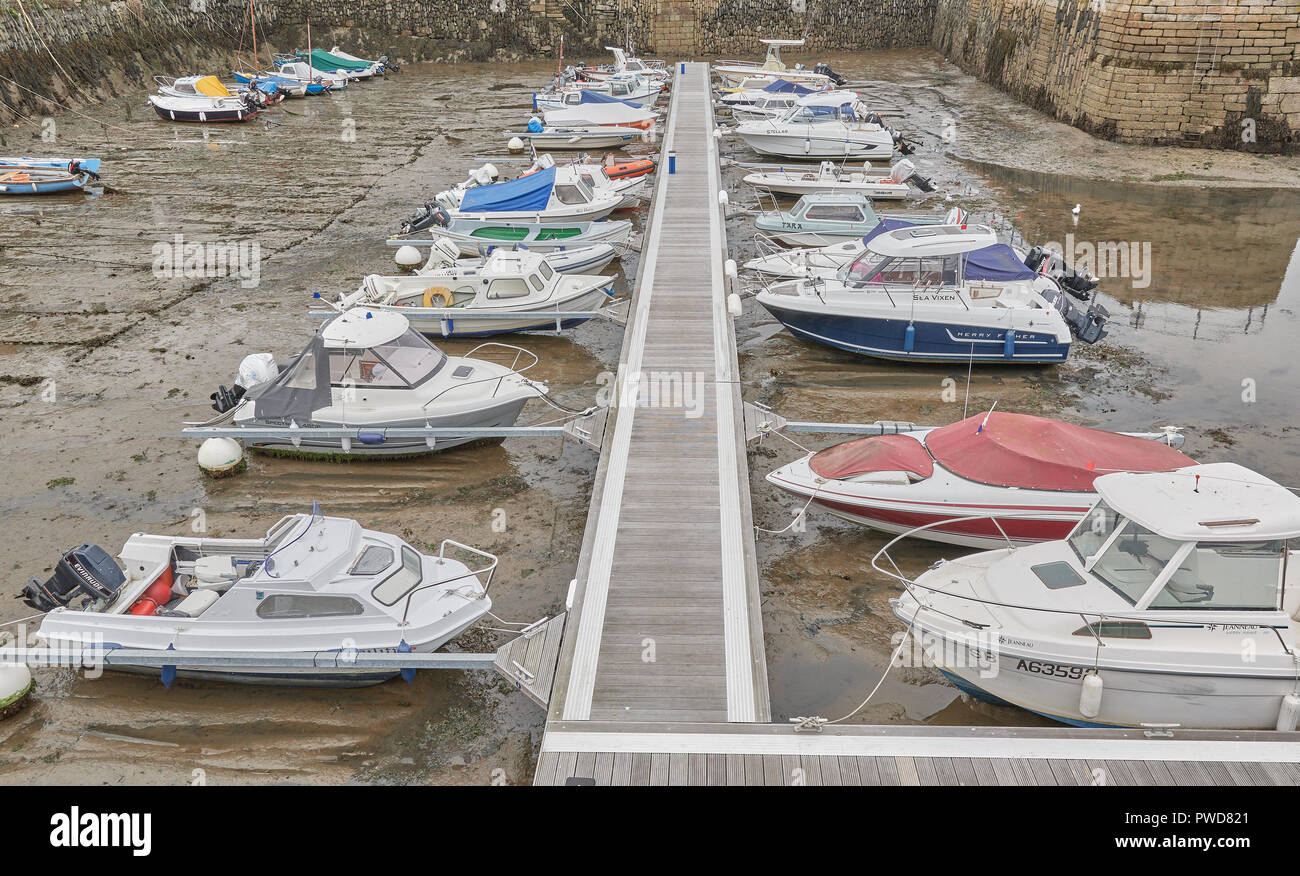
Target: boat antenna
<point>985,421</point>
<point>970,365</point>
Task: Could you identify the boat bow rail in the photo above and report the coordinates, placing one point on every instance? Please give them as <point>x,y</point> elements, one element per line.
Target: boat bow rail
<point>489,570</point>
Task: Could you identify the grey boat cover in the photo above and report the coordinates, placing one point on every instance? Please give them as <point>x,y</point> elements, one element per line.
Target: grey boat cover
<point>303,386</point>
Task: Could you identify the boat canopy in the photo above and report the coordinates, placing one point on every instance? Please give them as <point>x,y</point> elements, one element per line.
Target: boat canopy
<point>998,262</point>
<point>323,60</point>
<point>785,86</point>
<point>526,194</point>
<point>586,95</point>
<point>302,387</point>
<point>921,241</point>
<point>1018,450</point>
<point>878,453</point>
<point>886,226</point>
<point>211,86</point>
<point>1220,501</point>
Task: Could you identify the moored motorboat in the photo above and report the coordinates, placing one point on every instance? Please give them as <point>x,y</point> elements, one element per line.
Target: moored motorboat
<point>983,482</point>
<point>914,296</point>
<point>541,197</point>
<point>1140,617</point>
<point>450,298</point>
<point>623,61</point>
<point>204,99</point>
<point>547,137</point>
<point>826,124</point>
<point>368,370</point>
<point>733,73</point>
<point>312,584</point>
<point>830,177</point>
<point>316,80</point>
<point>824,219</point>
<point>628,88</point>
<point>476,236</point>
<point>772,100</point>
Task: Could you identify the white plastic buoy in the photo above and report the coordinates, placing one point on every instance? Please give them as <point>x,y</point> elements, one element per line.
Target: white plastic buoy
<point>729,268</point>
<point>723,200</point>
<point>408,256</point>
<point>1290,711</point>
<point>15,686</point>
<point>515,144</point>
<point>734,306</point>
<point>219,457</point>
<point>1090,695</point>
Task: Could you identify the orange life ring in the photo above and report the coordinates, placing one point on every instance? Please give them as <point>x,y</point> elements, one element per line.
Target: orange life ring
<point>437,292</point>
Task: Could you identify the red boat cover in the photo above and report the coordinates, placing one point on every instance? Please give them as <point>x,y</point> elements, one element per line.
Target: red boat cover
<point>1017,450</point>
<point>878,453</point>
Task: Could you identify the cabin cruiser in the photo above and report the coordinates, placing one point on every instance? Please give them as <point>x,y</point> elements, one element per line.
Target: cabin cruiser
<point>834,225</point>
<point>827,124</point>
<point>543,196</point>
<point>368,369</point>
<point>836,178</point>
<point>311,586</point>
<point>985,481</point>
<point>734,74</point>
<point>450,298</point>
<point>629,88</point>
<point>301,71</point>
<point>204,99</point>
<point>784,90</point>
<point>596,177</point>
<point>1174,602</point>
<point>922,294</point>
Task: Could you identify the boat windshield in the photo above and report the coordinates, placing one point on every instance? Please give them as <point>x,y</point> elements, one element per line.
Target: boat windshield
<point>412,356</point>
<point>401,582</point>
<point>871,268</point>
<point>573,194</point>
<point>1133,561</point>
<point>813,114</point>
<point>408,360</point>
<point>1218,576</point>
<point>1092,532</point>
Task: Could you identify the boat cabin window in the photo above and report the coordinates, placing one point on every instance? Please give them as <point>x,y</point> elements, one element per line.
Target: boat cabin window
<point>811,114</point>
<point>571,194</point>
<point>835,212</point>
<point>1132,562</point>
<point>412,357</point>
<point>933,271</point>
<point>1092,531</point>
<point>401,582</point>
<point>362,368</point>
<point>545,270</point>
<point>293,605</point>
<point>507,287</point>
<point>304,373</point>
<point>1115,630</point>
<point>373,560</point>
<point>1244,576</point>
<point>536,282</point>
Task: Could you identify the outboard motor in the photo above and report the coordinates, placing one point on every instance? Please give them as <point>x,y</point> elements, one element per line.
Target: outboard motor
<point>825,70</point>
<point>428,215</point>
<point>905,172</point>
<point>226,399</point>
<point>1079,285</point>
<point>388,66</point>
<point>88,571</point>
<point>1088,325</point>
<point>75,168</point>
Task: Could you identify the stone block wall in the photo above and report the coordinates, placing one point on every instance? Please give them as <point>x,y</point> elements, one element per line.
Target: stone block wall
<point>1175,71</point>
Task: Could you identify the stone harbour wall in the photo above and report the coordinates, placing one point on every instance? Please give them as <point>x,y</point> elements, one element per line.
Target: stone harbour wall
<point>1150,71</point>
<point>1171,72</point>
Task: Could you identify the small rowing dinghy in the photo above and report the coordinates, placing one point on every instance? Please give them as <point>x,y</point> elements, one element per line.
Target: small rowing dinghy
<point>46,176</point>
<point>367,369</point>
<point>312,585</point>
<point>474,297</point>
<point>1032,474</point>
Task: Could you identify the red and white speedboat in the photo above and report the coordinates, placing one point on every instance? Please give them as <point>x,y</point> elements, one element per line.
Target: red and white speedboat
<point>1001,464</point>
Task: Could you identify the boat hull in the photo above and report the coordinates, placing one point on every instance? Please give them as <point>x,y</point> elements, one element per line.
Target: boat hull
<point>815,147</point>
<point>932,340</point>
<point>795,187</point>
<point>466,325</point>
<point>237,114</point>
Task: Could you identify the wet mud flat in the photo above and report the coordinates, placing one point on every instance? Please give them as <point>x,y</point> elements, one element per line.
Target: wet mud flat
<point>103,357</point>
<point>102,360</point>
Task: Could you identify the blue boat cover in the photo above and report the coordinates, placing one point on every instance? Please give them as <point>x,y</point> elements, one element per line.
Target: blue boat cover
<point>996,262</point>
<point>524,195</point>
<point>884,227</point>
<point>785,86</point>
<point>589,96</point>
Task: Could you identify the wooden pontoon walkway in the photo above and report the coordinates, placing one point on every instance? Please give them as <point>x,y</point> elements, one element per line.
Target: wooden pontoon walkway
<point>665,622</point>
<point>661,676</point>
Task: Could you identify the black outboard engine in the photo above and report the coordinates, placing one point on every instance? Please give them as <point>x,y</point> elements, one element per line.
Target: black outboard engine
<point>225,399</point>
<point>388,66</point>
<point>1077,284</point>
<point>825,70</point>
<point>88,571</point>
<point>429,215</point>
<point>1088,325</point>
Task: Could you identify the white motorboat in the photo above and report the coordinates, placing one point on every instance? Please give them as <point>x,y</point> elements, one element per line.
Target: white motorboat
<point>601,115</point>
<point>836,178</point>
<point>466,297</point>
<point>917,295</point>
<point>538,197</point>
<point>829,230</point>
<point>546,137</point>
<point>827,124</point>
<point>1023,479</point>
<point>1174,602</point>
<point>376,68</point>
<point>301,71</point>
<point>203,99</point>
<point>733,74</point>
<point>624,62</point>
<point>629,88</point>
<point>367,369</point>
<point>476,236</point>
<point>595,177</point>
<point>312,585</point>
